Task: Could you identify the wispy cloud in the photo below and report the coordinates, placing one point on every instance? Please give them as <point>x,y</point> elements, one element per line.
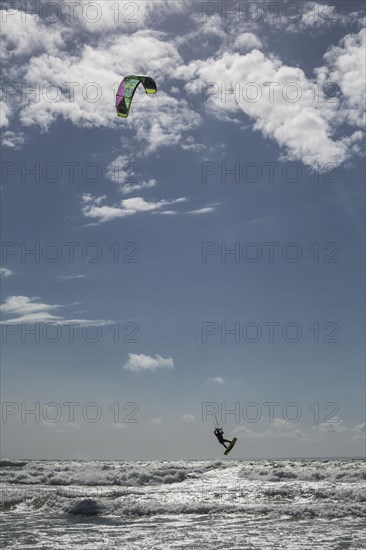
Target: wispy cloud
<point>360,428</point>
<point>13,140</point>
<point>155,420</point>
<point>335,426</point>
<point>277,428</point>
<point>70,277</point>
<point>123,209</point>
<point>124,171</point>
<point>205,210</point>
<point>30,310</point>
<point>188,418</point>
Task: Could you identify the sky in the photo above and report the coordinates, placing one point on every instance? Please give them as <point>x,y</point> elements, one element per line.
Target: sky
<point>200,261</point>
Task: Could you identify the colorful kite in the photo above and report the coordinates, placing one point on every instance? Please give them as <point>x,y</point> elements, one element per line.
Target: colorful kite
<point>127,90</point>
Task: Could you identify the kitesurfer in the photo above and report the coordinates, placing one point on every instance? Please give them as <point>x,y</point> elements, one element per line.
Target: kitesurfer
<point>219,433</point>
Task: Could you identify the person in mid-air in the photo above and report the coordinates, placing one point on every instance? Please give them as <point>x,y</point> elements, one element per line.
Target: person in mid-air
<point>219,432</point>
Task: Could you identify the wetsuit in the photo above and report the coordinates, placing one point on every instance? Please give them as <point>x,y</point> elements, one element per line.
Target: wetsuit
<point>219,433</point>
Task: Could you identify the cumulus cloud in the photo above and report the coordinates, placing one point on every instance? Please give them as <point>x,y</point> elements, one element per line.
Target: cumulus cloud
<point>280,101</point>
<point>122,209</point>
<point>81,87</point>
<point>346,68</point>
<point>25,34</point>
<point>246,41</point>
<point>140,362</point>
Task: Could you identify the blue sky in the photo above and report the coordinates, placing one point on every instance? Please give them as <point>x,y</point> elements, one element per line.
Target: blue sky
<point>253,143</point>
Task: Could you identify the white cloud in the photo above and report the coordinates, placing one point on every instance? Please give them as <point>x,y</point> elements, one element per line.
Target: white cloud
<point>205,210</point>
<point>119,426</point>
<point>13,140</point>
<point>165,123</point>
<point>243,430</point>
<point>282,424</point>
<point>91,105</point>
<point>189,418</point>
<point>167,213</point>
<point>5,272</point>
<point>89,198</point>
<point>335,426</point>
<point>276,429</point>
<point>346,68</point>
<point>70,277</point>
<point>360,429</point>
<point>246,41</point>
<point>316,15</point>
<point>22,305</point>
<point>81,88</point>
<point>23,35</point>
<point>5,113</point>
<point>108,15</point>
<point>125,172</point>
<point>140,362</point>
<point>126,207</point>
<point>283,428</point>
<point>155,420</point>
<point>289,18</point>
<point>203,32</point>
<point>286,111</point>
<point>53,425</point>
<point>81,18</point>
<point>217,380</point>
<point>164,120</point>
<point>30,310</point>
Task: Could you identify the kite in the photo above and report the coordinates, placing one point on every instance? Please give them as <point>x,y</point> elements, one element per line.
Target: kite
<point>127,89</point>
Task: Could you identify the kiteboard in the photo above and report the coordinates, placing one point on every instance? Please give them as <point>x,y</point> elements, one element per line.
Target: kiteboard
<point>230,446</point>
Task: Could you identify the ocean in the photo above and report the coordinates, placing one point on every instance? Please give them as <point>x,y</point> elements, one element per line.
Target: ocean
<point>297,504</point>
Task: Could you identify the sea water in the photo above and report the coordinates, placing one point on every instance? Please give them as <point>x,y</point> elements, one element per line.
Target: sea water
<point>192,505</point>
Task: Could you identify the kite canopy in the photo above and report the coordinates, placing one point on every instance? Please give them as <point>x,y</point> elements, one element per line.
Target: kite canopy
<point>127,90</point>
